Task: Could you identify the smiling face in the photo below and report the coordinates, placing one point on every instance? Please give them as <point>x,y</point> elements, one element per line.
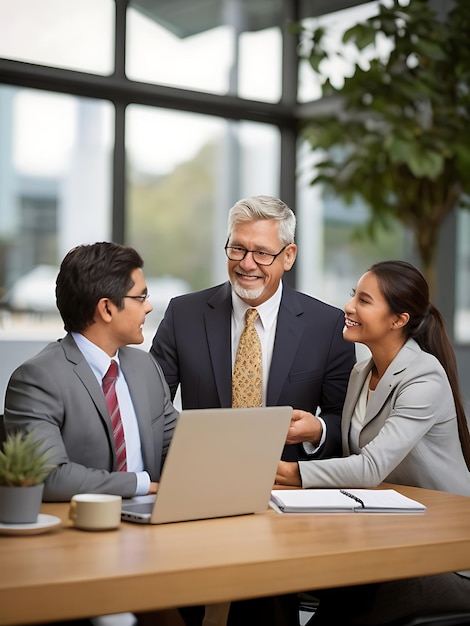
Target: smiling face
<point>369,319</point>
<point>254,283</point>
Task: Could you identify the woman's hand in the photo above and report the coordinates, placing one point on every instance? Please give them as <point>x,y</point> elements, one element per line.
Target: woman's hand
<point>288,474</point>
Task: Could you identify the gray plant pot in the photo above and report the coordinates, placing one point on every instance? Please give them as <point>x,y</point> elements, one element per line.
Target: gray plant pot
<point>20,505</point>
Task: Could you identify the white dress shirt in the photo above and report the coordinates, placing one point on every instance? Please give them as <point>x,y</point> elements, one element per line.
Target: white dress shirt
<point>99,362</point>
<point>266,325</point>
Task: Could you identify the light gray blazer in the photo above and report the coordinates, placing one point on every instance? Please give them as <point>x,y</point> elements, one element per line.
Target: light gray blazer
<point>57,393</point>
<point>409,435</point>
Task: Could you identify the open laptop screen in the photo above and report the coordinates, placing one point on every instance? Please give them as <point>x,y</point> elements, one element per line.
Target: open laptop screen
<point>221,462</point>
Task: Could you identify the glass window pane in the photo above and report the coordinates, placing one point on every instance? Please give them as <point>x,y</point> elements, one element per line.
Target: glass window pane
<point>54,194</point>
<point>213,55</point>
<point>60,33</point>
<point>260,63</point>
<point>331,258</point>
<point>462,305</point>
<point>336,24</point>
<point>185,172</point>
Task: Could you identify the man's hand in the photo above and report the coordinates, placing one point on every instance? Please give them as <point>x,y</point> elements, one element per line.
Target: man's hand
<point>153,488</point>
<point>304,427</point>
<point>288,474</point>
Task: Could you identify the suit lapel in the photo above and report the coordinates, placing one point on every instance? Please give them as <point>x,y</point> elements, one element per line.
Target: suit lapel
<point>357,379</point>
<point>85,374</point>
<point>378,398</point>
<point>143,410</point>
<point>137,391</point>
<point>289,331</point>
<point>390,379</point>
<point>218,320</point>
<point>88,379</point>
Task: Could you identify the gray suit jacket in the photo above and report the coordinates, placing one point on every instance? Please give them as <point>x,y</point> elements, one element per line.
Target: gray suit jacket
<point>57,394</point>
<point>409,435</point>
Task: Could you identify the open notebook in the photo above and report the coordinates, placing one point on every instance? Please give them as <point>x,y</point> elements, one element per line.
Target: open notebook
<point>343,500</point>
<point>221,462</point>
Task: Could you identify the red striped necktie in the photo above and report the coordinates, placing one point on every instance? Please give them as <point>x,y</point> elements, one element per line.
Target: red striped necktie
<point>109,390</point>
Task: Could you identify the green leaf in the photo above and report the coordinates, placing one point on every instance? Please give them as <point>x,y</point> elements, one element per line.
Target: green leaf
<point>401,139</point>
<point>362,35</point>
<point>425,163</point>
<point>22,461</point>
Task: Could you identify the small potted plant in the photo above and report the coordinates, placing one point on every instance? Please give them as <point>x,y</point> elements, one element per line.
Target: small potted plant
<point>23,470</point>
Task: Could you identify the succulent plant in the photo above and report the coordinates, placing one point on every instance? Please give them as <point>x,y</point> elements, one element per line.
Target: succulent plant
<point>21,461</point>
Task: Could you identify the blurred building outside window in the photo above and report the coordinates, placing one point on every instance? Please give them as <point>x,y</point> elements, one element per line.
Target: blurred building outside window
<point>184,169</point>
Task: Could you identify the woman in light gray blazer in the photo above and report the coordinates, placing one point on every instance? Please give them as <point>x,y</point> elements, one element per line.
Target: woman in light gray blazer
<point>403,422</point>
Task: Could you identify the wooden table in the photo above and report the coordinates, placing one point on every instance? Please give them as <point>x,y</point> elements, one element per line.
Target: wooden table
<point>67,573</point>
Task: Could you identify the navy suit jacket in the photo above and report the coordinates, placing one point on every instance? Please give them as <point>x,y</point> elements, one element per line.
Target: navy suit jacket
<point>310,364</point>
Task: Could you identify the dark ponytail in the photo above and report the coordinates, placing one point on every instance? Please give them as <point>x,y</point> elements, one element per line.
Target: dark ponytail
<point>406,290</point>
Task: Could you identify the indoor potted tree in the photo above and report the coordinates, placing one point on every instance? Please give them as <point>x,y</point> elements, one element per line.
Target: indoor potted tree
<point>23,469</point>
<point>396,132</point>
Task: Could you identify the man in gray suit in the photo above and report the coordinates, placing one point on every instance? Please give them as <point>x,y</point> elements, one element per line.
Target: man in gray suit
<point>102,297</point>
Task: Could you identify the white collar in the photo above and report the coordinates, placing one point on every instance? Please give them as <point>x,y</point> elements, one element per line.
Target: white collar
<point>96,358</point>
<point>267,310</point>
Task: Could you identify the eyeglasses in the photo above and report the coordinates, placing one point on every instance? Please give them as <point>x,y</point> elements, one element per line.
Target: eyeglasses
<point>143,298</point>
<point>237,253</point>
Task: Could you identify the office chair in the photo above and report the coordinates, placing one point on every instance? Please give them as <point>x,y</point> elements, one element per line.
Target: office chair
<point>309,603</point>
<point>457,618</point>
<point>452,618</point>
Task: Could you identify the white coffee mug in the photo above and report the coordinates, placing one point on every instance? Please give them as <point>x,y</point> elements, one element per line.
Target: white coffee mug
<point>95,511</point>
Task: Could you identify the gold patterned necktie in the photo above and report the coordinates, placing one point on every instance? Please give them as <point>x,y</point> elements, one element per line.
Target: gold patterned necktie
<point>247,380</point>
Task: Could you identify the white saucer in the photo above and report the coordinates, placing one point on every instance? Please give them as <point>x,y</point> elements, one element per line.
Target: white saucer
<point>43,525</point>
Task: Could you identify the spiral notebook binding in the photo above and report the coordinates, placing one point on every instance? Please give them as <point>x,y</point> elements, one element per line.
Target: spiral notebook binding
<point>351,495</point>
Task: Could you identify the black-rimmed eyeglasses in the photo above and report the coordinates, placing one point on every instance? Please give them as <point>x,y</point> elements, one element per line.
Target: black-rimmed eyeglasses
<point>143,298</point>
<point>238,253</point>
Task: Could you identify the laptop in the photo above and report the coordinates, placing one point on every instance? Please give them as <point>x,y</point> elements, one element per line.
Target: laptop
<point>221,462</point>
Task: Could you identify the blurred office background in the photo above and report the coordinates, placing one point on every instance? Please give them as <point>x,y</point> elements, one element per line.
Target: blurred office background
<point>142,122</point>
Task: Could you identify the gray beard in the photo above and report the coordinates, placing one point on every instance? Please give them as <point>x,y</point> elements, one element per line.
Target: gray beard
<point>247,294</point>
